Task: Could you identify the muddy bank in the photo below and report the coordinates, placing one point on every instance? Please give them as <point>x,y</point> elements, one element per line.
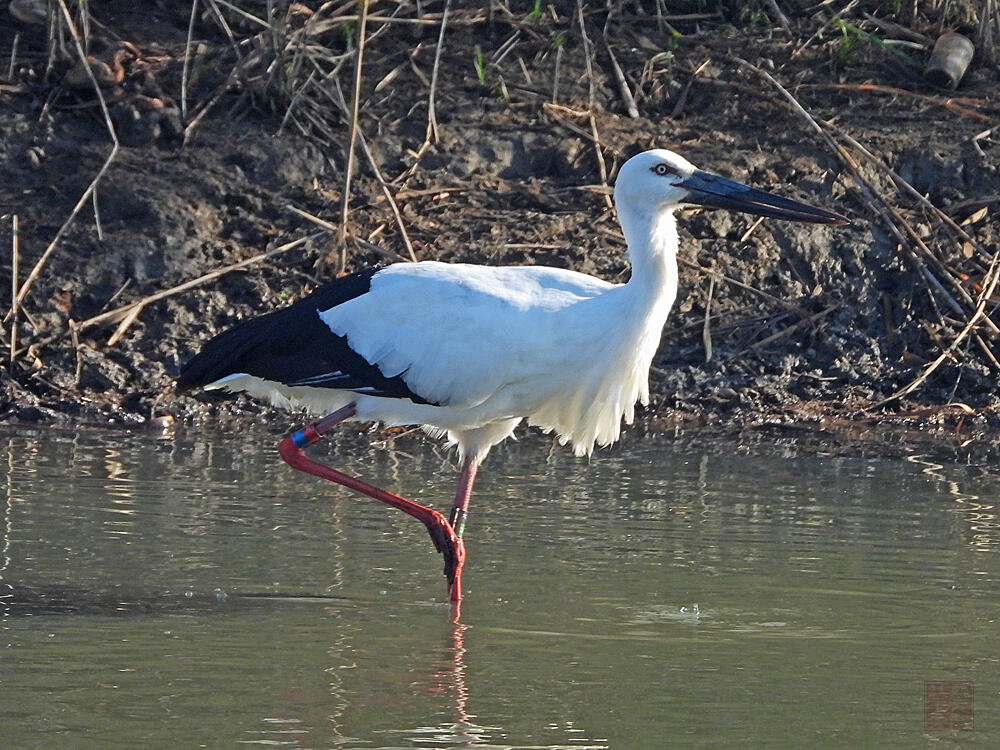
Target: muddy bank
<point>775,323</point>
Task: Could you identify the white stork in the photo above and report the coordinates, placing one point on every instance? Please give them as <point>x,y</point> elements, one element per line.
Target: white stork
<point>470,351</point>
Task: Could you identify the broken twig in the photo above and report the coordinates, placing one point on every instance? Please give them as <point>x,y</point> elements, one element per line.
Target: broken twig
<point>779,16</point>
<point>706,329</point>
<point>626,92</point>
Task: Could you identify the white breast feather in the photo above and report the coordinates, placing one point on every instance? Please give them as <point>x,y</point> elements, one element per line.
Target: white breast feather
<point>591,406</point>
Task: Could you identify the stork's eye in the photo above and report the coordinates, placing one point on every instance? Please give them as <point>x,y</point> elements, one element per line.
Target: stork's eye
<point>663,170</point>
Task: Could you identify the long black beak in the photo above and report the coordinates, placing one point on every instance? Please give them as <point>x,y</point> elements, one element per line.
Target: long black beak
<point>714,191</point>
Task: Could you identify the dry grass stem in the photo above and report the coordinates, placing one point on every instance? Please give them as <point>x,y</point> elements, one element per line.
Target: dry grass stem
<point>897,31</point>
<point>97,216</point>
<point>352,139</point>
<point>371,246</point>
<point>990,356</point>
<point>588,52</point>
<point>951,103</point>
<point>678,109</point>
<point>443,190</point>
<point>46,254</point>
<point>706,329</point>
<point>895,219</point>
<point>431,133</point>
<point>505,47</point>
<point>224,25</point>
<point>900,182</point>
<point>125,324</point>
<point>331,227</point>
<point>15,256</point>
<point>185,69</point>
<point>791,100</point>
<point>719,314</point>
<point>989,286</point>
<point>397,215</point>
<point>213,99</point>
<point>240,12</point>
<point>432,124</point>
<point>555,74</point>
<point>13,56</point>
<point>296,97</point>
<point>974,140</point>
<point>378,176</point>
<point>988,31</point>
<point>746,235</point>
<point>327,225</point>
<point>428,19</point>
<point>819,32</point>
<point>555,110</point>
<point>75,338</point>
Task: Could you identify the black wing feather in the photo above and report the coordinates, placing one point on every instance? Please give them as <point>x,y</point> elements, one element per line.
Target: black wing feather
<point>294,346</point>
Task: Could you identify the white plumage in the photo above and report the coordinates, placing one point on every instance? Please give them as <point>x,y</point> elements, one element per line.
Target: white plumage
<point>479,341</point>
<point>488,347</point>
<point>471,351</point>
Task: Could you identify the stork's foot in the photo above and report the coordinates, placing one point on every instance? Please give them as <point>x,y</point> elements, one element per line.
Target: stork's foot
<point>452,547</point>
<point>445,534</point>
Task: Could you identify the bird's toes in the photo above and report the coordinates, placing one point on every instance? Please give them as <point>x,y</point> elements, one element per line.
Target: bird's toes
<point>441,533</point>
<point>454,559</point>
<point>449,544</point>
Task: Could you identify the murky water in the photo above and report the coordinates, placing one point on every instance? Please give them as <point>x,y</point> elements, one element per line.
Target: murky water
<point>828,592</point>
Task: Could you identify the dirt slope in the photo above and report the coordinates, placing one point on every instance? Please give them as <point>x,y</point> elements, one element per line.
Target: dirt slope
<point>803,322</point>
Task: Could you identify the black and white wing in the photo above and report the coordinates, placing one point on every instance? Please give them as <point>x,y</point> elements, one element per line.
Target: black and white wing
<point>294,347</point>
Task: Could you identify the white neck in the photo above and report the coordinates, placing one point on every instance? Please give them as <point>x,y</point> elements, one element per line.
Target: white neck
<point>652,251</point>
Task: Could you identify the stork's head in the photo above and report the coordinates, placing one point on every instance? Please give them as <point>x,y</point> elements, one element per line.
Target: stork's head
<point>660,180</point>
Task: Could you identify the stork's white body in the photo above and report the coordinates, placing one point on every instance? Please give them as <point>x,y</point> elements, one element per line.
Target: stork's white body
<point>474,350</point>
<point>492,346</point>
<point>471,351</point>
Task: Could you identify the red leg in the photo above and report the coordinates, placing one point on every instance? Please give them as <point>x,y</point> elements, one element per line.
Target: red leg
<point>444,537</point>
<point>459,514</point>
